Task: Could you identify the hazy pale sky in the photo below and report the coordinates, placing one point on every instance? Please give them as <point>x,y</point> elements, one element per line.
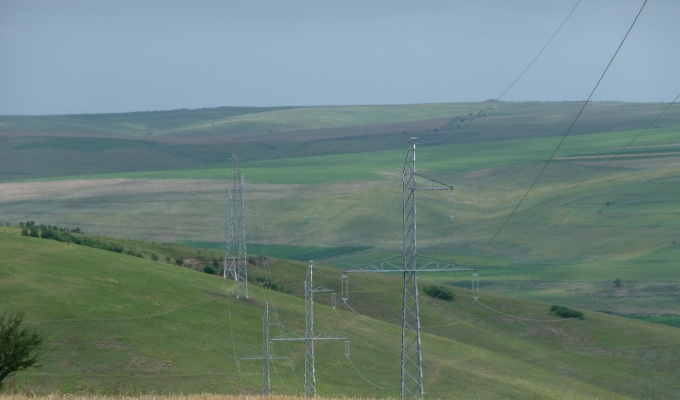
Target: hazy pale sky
<point>60,56</point>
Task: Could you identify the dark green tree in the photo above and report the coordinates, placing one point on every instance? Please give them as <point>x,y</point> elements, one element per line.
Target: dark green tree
<point>209,269</point>
<point>18,345</point>
<point>439,292</point>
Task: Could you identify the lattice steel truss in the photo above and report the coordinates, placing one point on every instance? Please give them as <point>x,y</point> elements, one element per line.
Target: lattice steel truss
<point>309,336</point>
<point>235,264</point>
<point>267,353</point>
<point>411,354</point>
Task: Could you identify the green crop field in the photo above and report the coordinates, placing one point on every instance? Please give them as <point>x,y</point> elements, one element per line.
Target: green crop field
<point>121,324</point>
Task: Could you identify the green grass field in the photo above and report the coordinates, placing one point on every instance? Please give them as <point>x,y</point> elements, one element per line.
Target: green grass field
<point>461,158</point>
<point>325,184</point>
<point>116,323</point>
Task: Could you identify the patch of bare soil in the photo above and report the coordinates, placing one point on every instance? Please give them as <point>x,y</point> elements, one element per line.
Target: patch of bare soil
<point>194,263</point>
<point>250,301</point>
<point>110,344</point>
<point>560,334</point>
<point>642,163</point>
<point>145,364</point>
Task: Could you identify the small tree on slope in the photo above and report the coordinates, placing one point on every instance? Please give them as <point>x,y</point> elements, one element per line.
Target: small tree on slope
<point>17,345</point>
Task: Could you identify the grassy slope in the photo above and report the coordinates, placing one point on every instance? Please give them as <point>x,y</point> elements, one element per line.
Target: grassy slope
<point>466,157</point>
<point>233,119</point>
<point>564,244</point>
<point>52,146</point>
<point>139,123</point>
<point>116,322</point>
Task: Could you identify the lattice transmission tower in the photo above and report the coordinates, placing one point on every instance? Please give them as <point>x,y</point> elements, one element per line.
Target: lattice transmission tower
<point>309,335</point>
<point>411,355</point>
<point>235,264</point>
<point>267,354</point>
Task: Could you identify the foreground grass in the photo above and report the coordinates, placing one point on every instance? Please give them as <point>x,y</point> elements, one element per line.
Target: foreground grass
<point>204,396</point>
<point>120,324</point>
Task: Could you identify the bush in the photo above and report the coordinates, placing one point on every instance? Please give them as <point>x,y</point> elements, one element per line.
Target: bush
<point>134,253</point>
<point>208,269</point>
<point>617,282</point>
<point>154,256</point>
<point>564,312</point>
<point>179,261</point>
<point>268,284</point>
<point>18,345</point>
<point>439,292</point>
<point>167,259</point>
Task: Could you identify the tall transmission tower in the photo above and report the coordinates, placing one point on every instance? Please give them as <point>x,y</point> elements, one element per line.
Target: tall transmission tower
<point>235,265</point>
<point>267,353</point>
<point>411,355</point>
<point>308,335</point>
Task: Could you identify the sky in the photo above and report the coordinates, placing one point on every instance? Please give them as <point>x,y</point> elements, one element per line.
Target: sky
<point>69,56</point>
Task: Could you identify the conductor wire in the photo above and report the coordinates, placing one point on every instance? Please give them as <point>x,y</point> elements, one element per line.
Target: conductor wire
<point>523,72</point>
<point>563,137</point>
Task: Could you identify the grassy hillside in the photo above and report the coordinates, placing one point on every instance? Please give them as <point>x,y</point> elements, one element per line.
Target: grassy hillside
<point>329,188</point>
<point>52,146</point>
<point>121,323</point>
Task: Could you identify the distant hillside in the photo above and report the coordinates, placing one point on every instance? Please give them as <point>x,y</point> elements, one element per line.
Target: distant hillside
<point>133,123</point>
<point>48,146</point>
<point>120,323</point>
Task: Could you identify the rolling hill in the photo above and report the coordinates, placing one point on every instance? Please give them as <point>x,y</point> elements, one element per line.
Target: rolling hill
<point>596,232</point>
<point>119,323</point>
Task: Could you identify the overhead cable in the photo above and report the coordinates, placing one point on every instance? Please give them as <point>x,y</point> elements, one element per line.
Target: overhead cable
<point>523,72</point>
<point>565,135</point>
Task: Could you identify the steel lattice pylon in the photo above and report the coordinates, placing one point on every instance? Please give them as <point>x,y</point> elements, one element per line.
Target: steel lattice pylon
<point>411,358</point>
<point>411,355</point>
<point>235,265</point>
<point>267,354</point>
<point>309,336</point>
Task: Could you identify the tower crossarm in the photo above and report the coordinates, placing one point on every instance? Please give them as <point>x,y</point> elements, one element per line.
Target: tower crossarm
<point>322,289</point>
<point>259,357</point>
<point>300,335</point>
<point>384,265</point>
<point>431,184</point>
<point>429,264</point>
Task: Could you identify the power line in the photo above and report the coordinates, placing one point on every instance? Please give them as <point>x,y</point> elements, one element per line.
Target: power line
<point>506,91</point>
<point>628,144</point>
<point>565,135</point>
<point>612,157</point>
<point>362,375</point>
<point>540,52</point>
<point>523,72</point>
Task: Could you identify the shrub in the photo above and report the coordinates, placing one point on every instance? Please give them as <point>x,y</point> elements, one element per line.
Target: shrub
<point>154,256</point>
<point>439,292</point>
<point>268,284</point>
<point>564,312</point>
<point>179,261</point>
<point>19,345</point>
<point>208,269</point>
<point>167,259</point>
<point>134,253</point>
<point>617,282</point>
